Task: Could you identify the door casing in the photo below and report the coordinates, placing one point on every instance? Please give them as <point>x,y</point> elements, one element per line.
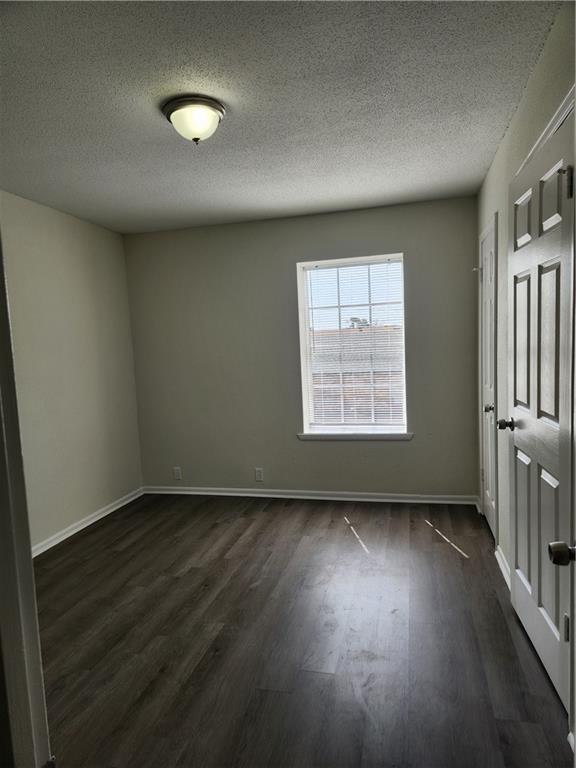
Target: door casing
<point>20,641</point>
<point>491,231</point>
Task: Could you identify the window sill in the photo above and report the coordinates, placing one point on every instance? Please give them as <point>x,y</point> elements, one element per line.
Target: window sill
<point>355,436</point>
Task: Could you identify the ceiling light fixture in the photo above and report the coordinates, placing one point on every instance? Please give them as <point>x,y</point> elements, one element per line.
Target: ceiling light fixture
<point>194,117</point>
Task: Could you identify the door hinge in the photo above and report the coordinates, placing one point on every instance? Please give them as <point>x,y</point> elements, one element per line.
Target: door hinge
<point>569,181</point>
<point>482,475</point>
<point>566,627</point>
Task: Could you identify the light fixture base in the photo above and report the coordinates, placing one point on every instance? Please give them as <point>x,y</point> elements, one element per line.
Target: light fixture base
<point>190,100</point>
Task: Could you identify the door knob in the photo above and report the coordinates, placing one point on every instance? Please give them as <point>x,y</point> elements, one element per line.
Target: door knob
<point>503,424</point>
<point>488,408</point>
<point>560,553</point>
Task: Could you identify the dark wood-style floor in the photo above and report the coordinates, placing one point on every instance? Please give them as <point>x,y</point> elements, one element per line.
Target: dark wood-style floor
<point>202,632</point>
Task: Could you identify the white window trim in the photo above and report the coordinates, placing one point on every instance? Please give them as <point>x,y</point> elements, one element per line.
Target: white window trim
<point>392,436</point>
<point>340,433</point>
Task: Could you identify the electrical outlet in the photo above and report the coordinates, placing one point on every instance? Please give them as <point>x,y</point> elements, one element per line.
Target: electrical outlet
<point>259,474</point>
<point>177,472</point>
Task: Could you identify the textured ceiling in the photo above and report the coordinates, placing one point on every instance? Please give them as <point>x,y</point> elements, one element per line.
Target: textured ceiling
<point>331,105</point>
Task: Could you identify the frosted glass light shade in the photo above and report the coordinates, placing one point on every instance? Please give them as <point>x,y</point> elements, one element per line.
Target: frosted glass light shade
<point>196,122</point>
<point>194,118</point>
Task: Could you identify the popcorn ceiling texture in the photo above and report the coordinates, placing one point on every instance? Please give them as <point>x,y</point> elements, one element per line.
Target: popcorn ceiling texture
<point>331,106</point>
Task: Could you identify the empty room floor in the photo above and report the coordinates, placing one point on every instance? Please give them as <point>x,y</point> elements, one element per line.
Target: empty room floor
<point>212,632</point>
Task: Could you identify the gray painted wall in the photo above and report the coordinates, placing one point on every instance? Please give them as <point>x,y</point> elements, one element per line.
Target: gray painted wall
<point>215,332</point>
<point>548,85</point>
<point>74,365</point>
<point>215,328</point>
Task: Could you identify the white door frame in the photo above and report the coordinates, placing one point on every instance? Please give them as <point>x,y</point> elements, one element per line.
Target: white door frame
<point>573,613</point>
<point>565,108</point>
<point>20,641</point>
<point>491,227</point>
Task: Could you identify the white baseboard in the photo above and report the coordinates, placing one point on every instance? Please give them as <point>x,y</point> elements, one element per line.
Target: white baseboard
<point>571,740</point>
<point>84,523</point>
<point>503,564</point>
<point>275,493</point>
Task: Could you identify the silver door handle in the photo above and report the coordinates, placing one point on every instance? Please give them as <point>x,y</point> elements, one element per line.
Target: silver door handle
<point>503,424</point>
<point>560,553</point>
<point>488,408</point>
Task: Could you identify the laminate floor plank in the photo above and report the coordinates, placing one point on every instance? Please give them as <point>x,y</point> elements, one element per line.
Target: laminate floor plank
<point>234,632</point>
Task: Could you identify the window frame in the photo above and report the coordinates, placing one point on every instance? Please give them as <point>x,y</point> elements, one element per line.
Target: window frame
<point>341,432</point>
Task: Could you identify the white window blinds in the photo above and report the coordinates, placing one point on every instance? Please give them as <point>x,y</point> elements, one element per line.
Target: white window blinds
<point>352,345</point>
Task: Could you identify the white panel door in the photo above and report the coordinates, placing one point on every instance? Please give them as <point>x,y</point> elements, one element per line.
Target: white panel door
<point>541,298</point>
<point>488,375</point>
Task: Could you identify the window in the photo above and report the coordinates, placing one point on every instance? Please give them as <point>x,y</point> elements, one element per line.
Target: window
<point>352,345</point>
